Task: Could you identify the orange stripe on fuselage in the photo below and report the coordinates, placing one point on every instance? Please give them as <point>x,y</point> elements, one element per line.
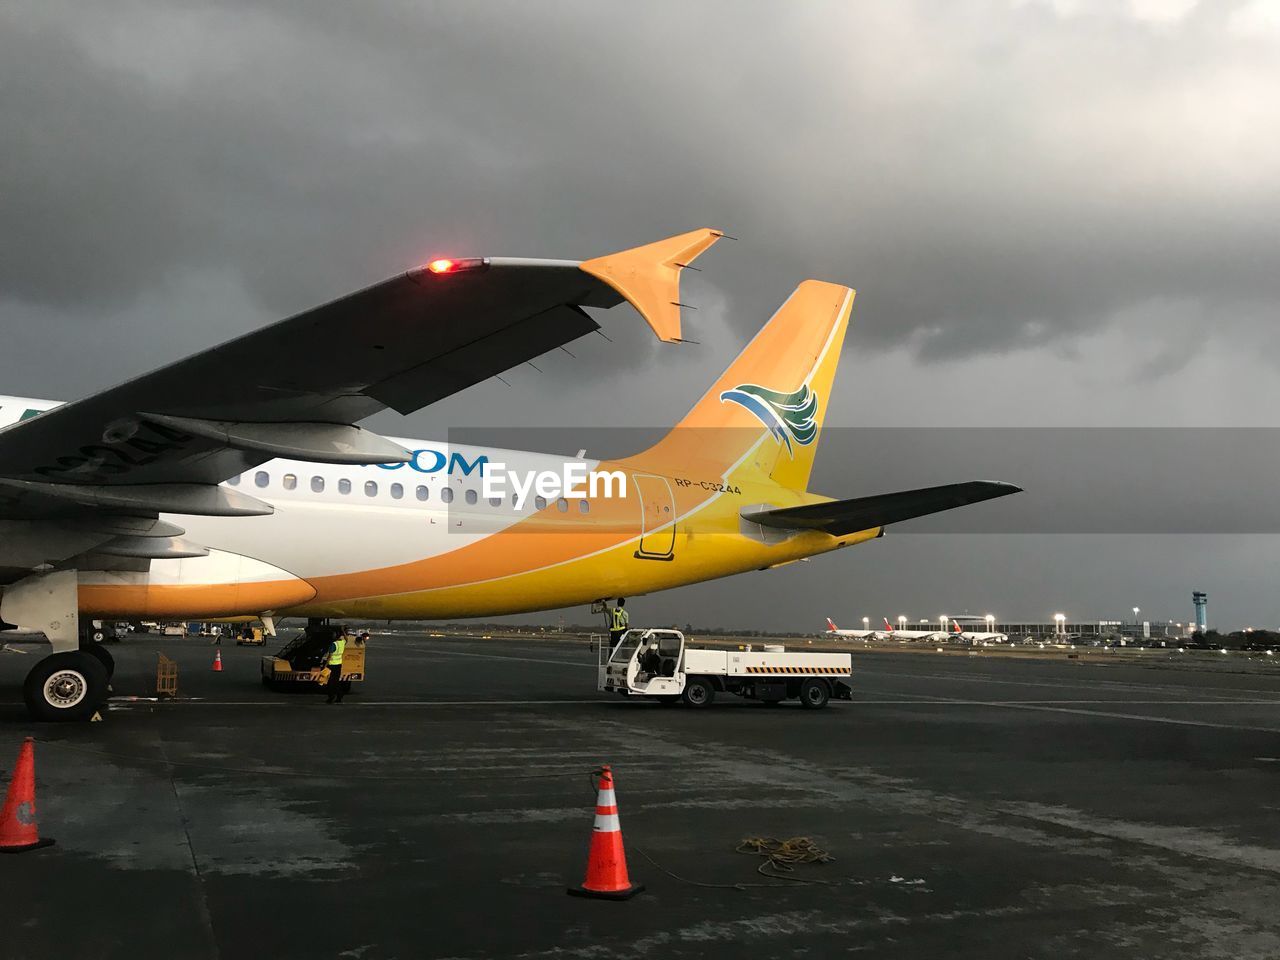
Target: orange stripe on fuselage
<point>192,600</point>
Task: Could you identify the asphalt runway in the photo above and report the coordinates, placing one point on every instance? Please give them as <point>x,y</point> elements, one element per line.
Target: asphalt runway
<point>975,807</point>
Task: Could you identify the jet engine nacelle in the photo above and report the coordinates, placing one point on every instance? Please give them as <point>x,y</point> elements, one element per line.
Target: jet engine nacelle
<point>191,588</point>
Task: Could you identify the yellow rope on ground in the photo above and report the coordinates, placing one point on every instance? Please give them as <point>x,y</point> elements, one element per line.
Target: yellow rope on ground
<point>783,855</point>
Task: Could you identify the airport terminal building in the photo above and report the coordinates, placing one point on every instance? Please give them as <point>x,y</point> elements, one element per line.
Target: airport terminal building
<point>1061,626</point>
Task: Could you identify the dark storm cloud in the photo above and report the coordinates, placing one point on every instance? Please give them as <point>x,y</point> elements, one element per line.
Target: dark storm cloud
<point>990,175</point>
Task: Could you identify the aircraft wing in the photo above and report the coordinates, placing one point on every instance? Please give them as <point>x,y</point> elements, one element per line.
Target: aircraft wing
<point>840,517</point>
<point>162,443</point>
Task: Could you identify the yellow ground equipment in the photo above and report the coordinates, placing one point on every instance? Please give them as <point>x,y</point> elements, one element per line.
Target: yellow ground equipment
<point>301,661</point>
<point>250,637</point>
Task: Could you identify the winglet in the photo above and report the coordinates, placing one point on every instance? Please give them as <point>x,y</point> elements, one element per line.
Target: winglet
<point>648,277</point>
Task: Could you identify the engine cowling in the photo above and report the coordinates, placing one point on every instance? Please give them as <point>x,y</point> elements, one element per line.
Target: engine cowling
<point>221,584</point>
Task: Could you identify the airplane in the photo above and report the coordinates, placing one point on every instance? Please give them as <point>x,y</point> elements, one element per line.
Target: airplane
<point>834,631</point>
<point>237,482</point>
<point>975,637</point>
<point>895,634</point>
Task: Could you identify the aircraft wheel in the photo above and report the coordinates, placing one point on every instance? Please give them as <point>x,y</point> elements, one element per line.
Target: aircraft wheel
<point>814,694</point>
<point>698,692</point>
<point>65,686</point>
<point>103,655</point>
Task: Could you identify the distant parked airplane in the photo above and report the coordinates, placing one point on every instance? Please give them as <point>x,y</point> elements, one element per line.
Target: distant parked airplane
<point>976,637</point>
<point>834,631</point>
<point>914,634</point>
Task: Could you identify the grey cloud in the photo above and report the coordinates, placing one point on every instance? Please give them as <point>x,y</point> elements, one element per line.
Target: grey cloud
<point>990,175</point>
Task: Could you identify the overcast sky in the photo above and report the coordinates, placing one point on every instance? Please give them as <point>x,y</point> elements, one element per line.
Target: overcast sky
<point>1055,214</point>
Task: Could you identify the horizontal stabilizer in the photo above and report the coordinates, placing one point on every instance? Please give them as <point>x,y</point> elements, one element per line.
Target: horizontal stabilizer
<point>840,517</point>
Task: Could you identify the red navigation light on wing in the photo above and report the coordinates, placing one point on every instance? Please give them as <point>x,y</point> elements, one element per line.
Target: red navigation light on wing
<point>450,265</point>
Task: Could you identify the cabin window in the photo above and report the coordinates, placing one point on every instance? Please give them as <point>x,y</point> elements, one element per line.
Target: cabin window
<point>317,484</point>
<point>447,494</point>
<point>371,488</point>
<point>290,481</point>
<point>472,497</point>
<point>495,501</point>
<point>562,505</point>
<point>344,486</point>
<point>397,491</point>
<point>261,478</point>
<point>234,481</point>
<point>584,507</point>
<point>540,502</point>
<point>423,492</point>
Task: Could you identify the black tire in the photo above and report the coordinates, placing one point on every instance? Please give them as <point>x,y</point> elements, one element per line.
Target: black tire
<point>814,693</point>
<point>66,686</point>
<point>104,655</point>
<point>97,634</point>
<point>698,693</point>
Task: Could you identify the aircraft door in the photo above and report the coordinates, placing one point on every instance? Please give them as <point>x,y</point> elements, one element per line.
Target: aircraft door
<point>657,517</point>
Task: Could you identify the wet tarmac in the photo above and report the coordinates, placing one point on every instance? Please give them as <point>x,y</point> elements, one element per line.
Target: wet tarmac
<point>975,807</point>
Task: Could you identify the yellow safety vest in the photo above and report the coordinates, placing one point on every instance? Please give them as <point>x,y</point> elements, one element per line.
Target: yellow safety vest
<point>335,658</point>
<point>620,618</point>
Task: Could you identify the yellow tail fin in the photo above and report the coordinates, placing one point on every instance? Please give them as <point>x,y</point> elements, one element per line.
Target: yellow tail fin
<point>766,410</point>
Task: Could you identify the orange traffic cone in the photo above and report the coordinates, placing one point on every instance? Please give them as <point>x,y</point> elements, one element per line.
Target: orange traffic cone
<point>217,662</point>
<point>606,861</point>
<point>18,819</point>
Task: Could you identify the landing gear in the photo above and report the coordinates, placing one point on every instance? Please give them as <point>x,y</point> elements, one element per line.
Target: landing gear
<point>72,683</point>
<point>104,657</point>
<point>66,686</point>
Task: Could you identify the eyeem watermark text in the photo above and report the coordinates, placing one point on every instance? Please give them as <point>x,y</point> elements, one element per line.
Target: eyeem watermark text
<point>574,479</point>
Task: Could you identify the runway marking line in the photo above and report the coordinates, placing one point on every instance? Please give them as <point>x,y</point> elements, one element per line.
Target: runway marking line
<point>1002,703</point>
<point>987,678</point>
<point>1112,714</point>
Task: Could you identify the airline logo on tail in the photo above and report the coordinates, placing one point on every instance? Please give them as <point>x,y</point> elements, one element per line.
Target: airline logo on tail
<point>788,416</point>
<point>831,626</point>
<point>886,624</point>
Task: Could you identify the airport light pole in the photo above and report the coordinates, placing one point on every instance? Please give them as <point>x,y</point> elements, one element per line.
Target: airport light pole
<point>1060,619</point>
<point>991,622</point>
<point>902,622</point>
<point>865,621</point>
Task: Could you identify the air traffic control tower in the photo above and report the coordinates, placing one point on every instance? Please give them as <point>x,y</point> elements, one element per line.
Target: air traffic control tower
<point>1201,600</point>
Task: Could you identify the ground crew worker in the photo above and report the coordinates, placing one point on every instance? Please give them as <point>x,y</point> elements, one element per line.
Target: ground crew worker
<point>618,622</point>
<point>336,688</point>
